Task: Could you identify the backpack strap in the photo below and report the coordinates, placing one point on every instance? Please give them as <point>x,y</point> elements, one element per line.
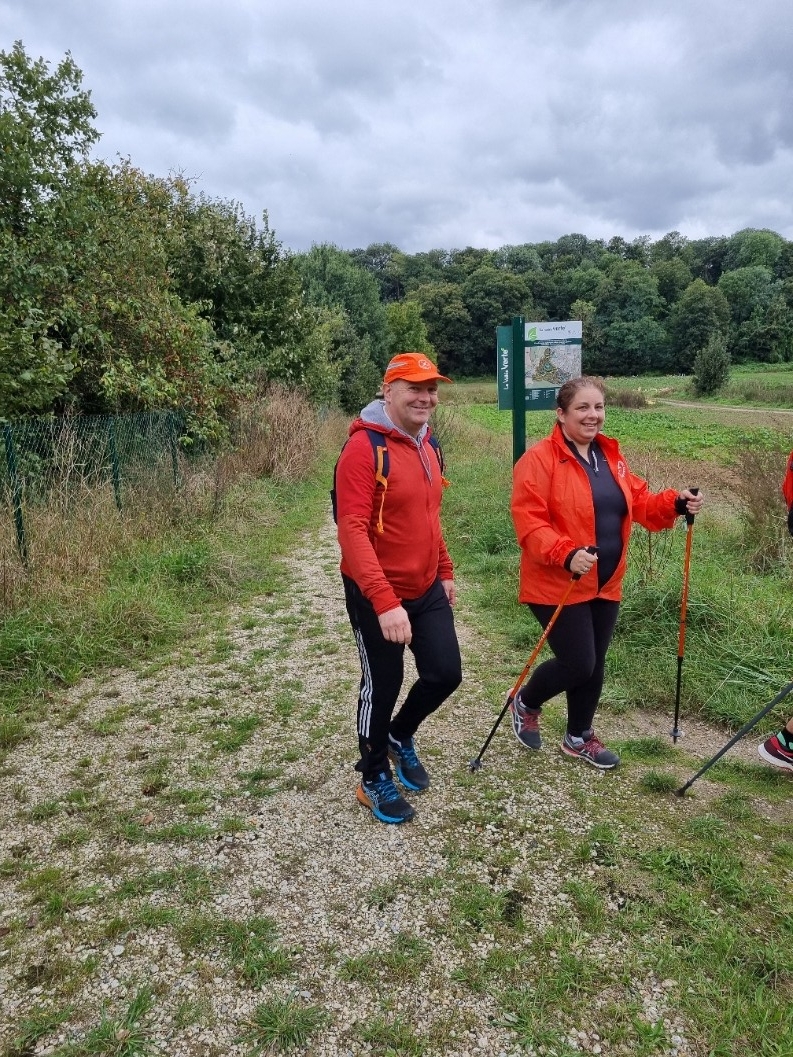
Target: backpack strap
<point>435,443</point>
<point>381,468</point>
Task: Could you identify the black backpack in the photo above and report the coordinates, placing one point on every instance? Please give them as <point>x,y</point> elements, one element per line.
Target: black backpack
<point>381,467</point>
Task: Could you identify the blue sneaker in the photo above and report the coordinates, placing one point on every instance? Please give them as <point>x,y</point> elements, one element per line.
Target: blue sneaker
<point>409,768</point>
<point>382,798</point>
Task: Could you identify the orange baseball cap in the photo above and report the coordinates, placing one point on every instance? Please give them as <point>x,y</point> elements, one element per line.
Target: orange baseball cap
<point>413,367</point>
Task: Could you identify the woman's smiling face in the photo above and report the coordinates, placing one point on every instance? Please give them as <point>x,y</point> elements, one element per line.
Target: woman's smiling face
<point>584,416</point>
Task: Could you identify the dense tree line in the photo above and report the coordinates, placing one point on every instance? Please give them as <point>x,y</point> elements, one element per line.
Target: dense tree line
<point>646,306</point>
<point>124,291</point>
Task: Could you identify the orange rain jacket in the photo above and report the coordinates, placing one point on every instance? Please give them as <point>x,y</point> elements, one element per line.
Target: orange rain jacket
<point>787,484</point>
<point>554,514</point>
<point>410,554</point>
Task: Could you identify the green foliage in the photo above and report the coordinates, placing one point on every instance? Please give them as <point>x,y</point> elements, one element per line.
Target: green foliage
<point>332,280</point>
<point>711,366</point>
<point>46,127</point>
<point>448,322</point>
<point>406,329</point>
<point>700,312</point>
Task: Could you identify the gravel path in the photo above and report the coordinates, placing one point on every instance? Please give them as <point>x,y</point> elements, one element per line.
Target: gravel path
<point>154,807</point>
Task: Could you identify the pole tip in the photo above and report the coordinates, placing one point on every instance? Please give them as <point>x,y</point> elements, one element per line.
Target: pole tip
<point>681,791</point>
<point>475,765</point>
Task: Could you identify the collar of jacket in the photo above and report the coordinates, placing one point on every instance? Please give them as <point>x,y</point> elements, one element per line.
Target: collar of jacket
<point>608,445</point>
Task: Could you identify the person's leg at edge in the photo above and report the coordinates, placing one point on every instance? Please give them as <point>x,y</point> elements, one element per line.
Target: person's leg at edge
<point>381,679</point>
<point>439,666</point>
<point>778,749</point>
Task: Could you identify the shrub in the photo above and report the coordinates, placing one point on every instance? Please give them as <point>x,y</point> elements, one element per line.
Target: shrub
<point>711,366</point>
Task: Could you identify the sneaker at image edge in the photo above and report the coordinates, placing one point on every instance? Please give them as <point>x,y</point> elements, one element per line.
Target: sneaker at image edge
<point>409,768</point>
<point>773,751</point>
<point>382,798</point>
<point>526,724</point>
<point>590,749</point>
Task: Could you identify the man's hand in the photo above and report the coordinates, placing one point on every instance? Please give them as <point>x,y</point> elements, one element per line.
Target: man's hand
<point>451,591</point>
<point>395,626</point>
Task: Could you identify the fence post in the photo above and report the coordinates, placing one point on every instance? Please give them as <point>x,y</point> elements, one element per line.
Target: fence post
<point>177,480</point>
<point>115,470</point>
<point>16,492</point>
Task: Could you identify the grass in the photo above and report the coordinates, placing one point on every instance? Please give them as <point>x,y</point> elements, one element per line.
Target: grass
<point>551,900</point>
<point>280,1024</point>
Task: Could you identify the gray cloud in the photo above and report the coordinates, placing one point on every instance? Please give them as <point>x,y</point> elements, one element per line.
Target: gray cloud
<point>446,124</point>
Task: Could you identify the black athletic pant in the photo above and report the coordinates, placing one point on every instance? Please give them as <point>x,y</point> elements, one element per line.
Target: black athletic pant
<point>579,640</point>
<point>438,664</point>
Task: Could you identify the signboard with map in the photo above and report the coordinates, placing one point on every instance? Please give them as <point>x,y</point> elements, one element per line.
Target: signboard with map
<point>552,354</point>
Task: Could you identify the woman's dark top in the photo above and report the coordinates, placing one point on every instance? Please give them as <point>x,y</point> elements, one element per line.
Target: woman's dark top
<point>610,509</point>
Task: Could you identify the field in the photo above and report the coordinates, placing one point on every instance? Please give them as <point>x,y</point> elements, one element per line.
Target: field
<point>184,869</point>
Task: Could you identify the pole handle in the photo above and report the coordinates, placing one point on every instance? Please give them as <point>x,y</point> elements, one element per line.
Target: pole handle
<point>690,517</point>
<point>590,550</point>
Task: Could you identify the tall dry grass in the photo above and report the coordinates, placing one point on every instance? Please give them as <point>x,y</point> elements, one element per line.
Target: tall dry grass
<point>74,530</point>
<point>763,513</point>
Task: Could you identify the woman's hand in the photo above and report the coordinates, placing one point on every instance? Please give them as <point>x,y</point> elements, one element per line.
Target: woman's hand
<point>582,562</point>
<point>693,503</point>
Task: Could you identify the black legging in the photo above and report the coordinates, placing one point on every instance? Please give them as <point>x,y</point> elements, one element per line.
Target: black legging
<point>579,640</point>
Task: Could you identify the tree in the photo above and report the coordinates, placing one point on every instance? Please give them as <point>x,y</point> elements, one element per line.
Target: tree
<point>492,297</point>
<point>636,347</point>
<point>448,324</point>
<point>234,269</point>
<point>672,275</point>
<point>630,294</point>
<point>330,278</point>
<point>592,337</point>
<point>407,330</point>
<point>711,366</point>
<point>518,259</point>
<point>751,247</point>
<point>46,127</point>
<point>387,264</point>
<point>701,311</point>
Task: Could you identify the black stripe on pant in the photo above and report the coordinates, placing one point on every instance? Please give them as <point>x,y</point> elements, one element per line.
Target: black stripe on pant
<point>438,664</point>
<point>579,640</point>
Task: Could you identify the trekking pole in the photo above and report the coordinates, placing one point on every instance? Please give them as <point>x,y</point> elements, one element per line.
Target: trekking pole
<point>476,764</point>
<point>681,638</point>
<point>744,730</point>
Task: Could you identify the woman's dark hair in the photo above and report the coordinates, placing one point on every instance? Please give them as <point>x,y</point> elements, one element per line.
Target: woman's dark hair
<point>566,394</point>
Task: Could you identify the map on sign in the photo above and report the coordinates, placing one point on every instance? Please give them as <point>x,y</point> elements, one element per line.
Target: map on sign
<point>552,364</point>
<point>553,353</point>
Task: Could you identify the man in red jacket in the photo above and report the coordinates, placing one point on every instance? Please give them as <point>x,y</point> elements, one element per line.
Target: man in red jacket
<point>398,579</point>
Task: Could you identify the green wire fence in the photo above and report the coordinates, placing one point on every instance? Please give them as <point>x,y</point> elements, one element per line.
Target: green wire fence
<point>42,455</point>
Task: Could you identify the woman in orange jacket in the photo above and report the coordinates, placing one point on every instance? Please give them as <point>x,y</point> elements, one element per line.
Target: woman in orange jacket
<point>573,491</point>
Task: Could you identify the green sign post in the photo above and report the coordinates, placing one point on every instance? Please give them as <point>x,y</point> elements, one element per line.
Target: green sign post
<point>533,361</point>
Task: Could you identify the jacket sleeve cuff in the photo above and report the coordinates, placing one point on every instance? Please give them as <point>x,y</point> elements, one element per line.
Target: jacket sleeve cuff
<point>570,557</point>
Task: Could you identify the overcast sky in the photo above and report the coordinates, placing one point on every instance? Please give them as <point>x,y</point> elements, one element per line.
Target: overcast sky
<point>445,123</point>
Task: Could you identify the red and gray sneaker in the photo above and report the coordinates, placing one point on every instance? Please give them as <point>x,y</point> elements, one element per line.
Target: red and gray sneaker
<point>591,750</point>
<point>775,751</point>
<point>525,724</point>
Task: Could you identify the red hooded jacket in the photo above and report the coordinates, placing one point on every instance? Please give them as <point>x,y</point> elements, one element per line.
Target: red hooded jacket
<point>554,514</point>
<point>410,554</point>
